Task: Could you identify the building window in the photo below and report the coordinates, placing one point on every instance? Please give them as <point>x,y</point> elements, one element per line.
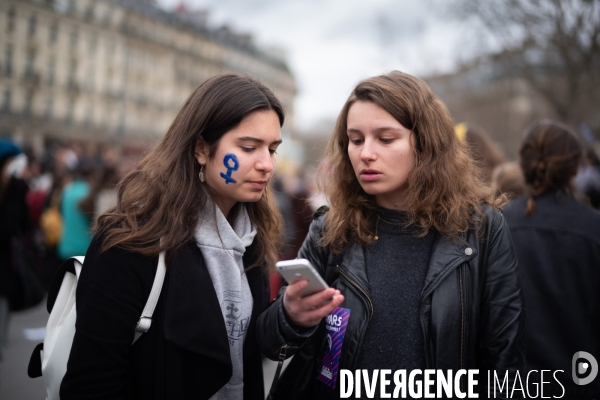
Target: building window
<point>73,74</point>
<point>121,127</point>
<point>89,116</point>
<point>91,78</point>
<point>53,33</point>
<point>28,103</point>
<point>51,71</point>
<point>6,100</point>
<point>72,69</point>
<point>70,111</point>
<point>10,20</point>
<point>31,26</point>
<point>49,108</point>
<point>89,13</point>
<point>29,63</point>
<point>74,38</point>
<point>107,19</point>
<point>93,43</point>
<point>8,53</point>
<point>110,47</point>
<point>108,81</point>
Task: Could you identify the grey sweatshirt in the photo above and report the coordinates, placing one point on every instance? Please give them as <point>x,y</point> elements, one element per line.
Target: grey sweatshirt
<point>223,256</point>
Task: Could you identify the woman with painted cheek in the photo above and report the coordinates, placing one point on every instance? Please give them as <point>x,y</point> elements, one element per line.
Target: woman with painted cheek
<point>416,247</point>
<point>200,197</point>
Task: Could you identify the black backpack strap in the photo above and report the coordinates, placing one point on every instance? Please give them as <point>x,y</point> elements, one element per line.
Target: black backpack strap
<point>320,211</point>
<point>34,369</point>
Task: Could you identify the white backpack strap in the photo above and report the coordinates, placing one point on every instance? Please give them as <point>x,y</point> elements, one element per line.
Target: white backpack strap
<point>146,319</point>
<point>78,264</point>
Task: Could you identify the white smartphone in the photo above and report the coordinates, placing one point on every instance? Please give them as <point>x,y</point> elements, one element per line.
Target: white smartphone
<point>301,268</point>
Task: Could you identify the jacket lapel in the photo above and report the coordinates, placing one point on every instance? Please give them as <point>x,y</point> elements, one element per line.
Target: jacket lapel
<point>355,257</point>
<point>193,319</point>
<point>446,255</point>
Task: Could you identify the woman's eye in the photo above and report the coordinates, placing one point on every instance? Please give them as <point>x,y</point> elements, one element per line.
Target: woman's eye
<point>247,149</point>
<point>356,141</point>
<point>386,140</point>
<point>273,151</point>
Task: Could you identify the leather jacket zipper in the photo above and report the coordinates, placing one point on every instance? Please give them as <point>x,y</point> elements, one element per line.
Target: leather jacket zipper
<point>424,321</point>
<point>353,282</point>
<point>361,335</point>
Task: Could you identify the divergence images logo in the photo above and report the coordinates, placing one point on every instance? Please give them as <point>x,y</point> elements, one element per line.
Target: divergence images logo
<point>580,367</point>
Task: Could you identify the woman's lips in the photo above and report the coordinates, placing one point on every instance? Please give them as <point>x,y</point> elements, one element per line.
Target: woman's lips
<point>258,184</point>
<point>370,175</point>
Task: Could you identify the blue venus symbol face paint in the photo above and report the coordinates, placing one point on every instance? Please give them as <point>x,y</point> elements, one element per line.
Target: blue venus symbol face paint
<point>230,168</point>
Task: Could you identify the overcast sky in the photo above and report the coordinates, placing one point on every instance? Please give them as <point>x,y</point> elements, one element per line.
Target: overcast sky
<point>330,45</point>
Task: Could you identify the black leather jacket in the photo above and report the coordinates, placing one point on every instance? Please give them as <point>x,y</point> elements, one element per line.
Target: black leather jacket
<point>471,307</point>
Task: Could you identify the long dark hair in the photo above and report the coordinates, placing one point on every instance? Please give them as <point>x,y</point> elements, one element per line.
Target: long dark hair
<point>163,197</point>
<point>445,189</point>
<point>550,155</point>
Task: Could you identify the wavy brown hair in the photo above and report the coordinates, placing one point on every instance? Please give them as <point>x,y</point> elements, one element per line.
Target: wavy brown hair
<point>163,197</point>
<point>445,190</point>
<point>550,155</point>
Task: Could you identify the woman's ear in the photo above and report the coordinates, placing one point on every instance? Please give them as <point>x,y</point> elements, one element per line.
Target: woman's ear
<point>201,151</point>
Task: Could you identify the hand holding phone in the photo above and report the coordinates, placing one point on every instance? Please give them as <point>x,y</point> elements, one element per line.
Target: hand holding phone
<point>295,270</point>
<point>306,302</point>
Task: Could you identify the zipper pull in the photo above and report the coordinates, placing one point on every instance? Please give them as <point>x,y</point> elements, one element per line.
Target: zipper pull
<point>282,353</point>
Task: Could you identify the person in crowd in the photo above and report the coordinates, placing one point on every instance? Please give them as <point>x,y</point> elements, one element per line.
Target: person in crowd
<point>316,198</point>
<point>76,223</point>
<point>105,188</point>
<point>14,224</point>
<point>587,181</point>
<point>284,204</point>
<point>201,195</point>
<point>301,210</point>
<point>507,178</point>
<point>51,222</point>
<point>102,194</point>
<point>557,240</point>
<point>483,149</point>
<point>413,245</point>
<point>292,201</point>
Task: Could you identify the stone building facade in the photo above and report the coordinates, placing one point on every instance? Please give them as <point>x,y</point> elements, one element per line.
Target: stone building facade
<point>114,69</point>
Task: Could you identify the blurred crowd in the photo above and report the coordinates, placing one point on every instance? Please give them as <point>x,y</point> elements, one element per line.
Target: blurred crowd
<point>506,177</point>
<point>69,184</point>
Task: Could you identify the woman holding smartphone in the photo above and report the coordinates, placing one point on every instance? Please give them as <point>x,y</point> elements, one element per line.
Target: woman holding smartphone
<point>413,246</point>
<point>201,196</point>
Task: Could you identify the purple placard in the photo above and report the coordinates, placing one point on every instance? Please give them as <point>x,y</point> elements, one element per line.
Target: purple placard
<point>335,328</point>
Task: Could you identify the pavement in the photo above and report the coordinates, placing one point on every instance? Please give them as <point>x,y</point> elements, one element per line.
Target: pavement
<point>26,329</point>
<point>23,335</point>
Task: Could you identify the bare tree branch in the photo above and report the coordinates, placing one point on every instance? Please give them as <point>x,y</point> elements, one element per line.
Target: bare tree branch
<point>554,45</point>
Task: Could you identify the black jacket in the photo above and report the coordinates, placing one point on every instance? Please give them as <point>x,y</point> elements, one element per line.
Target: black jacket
<point>184,355</point>
<point>14,225</point>
<point>471,308</point>
<point>558,249</point>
